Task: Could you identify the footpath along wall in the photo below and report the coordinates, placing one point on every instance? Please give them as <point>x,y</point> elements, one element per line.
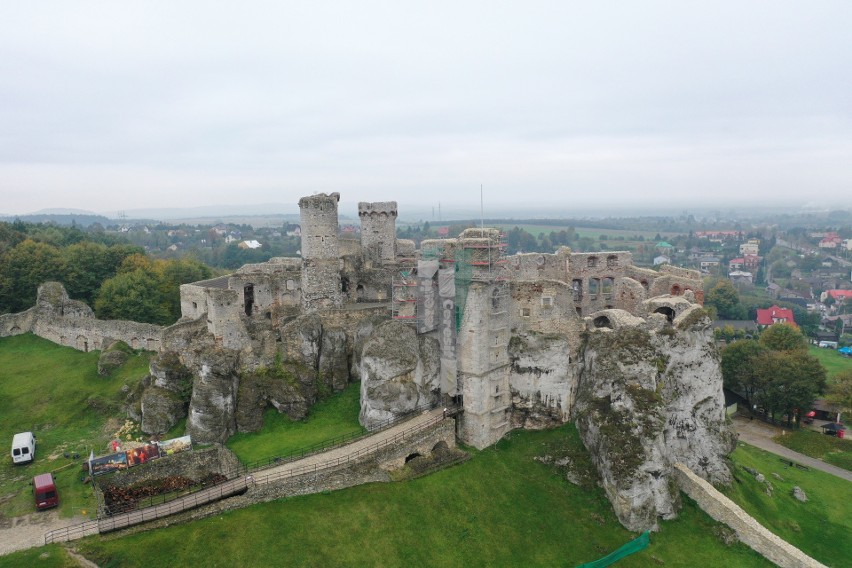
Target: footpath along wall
<point>748,530</point>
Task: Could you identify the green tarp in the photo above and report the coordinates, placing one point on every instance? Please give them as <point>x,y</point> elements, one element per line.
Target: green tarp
<point>635,545</point>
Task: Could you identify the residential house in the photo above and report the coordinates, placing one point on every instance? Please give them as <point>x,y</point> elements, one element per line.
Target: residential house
<point>252,244</point>
<point>774,315</point>
<point>662,259</point>
<point>750,248</point>
<point>709,263</point>
<point>741,277</point>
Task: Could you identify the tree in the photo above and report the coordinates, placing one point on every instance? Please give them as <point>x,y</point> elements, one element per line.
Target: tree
<point>783,337</point>
<point>132,296</point>
<point>23,269</point>
<point>741,371</point>
<point>725,299</point>
<point>840,392</point>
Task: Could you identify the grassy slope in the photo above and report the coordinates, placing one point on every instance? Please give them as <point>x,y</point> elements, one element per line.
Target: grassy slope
<point>820,527</point>
<point>833,361</point>
<point>279,436</point>
<point>56,393</point>
<point>501,508</point>
<point>817,445</point>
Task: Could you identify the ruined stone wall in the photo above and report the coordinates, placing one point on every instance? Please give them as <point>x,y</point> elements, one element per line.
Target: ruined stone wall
<point>72,323</point>
<point>536,266</point>
<point>193,301</point>
<point>378,231</point>
<point>748,529</point>
<point>224,318</point>
<point>594,279</point>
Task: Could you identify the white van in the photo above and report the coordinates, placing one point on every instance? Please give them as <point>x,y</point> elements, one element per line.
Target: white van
<point>23,447</point>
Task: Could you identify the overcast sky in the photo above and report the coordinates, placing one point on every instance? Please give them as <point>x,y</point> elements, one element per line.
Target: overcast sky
<point>113,106</point>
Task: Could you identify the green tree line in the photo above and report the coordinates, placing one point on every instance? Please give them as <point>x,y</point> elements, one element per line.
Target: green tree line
<point>117,279</point>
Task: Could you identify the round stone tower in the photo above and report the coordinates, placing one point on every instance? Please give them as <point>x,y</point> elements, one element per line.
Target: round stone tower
<point>320,252</point>
<point>378,231</point>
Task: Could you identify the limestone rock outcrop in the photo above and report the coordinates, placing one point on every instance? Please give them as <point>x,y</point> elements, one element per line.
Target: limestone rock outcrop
<point>650,395</point>
<point>541,380</point>
<point>112,358</point>
<point>399,372</point>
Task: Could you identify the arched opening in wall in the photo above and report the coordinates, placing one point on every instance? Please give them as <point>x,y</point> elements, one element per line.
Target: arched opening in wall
<point>440,447</point>
<point>359,292</point>
<point>592,261</point>
<point>248,298</point>
<point>134,343</point>
<point>82,343</point>
<point>666,311</point>
<point>603,321</point>
<point>644,284</point>
<point>410,457</point>
<point>579,311</point>
<point>611,261</point>
<point>344,284</point>
<point>495,299</point>
<point>15,330</point>
<point>675,291</point>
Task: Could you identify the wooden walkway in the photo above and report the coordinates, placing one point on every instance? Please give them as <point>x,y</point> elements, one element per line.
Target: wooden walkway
<point>317,462</point>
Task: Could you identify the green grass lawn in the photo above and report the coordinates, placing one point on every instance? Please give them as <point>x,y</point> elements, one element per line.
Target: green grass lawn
<point>281,436</point>
<point>56,393</point>
<point>817,445</point>
<point>501,508</point>
<point>820,527</point>
<point>833,361</point>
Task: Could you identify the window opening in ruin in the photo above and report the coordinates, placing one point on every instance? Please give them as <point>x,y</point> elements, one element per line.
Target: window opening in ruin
<point>577,288</point>
<point>644,284</point>
<point>606,287</point>
<point>344,284</point>
<point>269,315</point>
<point>525,312</point>
<point>410,457</point>
<point>666,311</point>
<point>602,321</point>
<point>594,288</point>
<point>248,295</point>
<point>495,299</point>
<point>592,261</point>
<point>194,306</point>
<point>546,301</point>
<point>359,292</point>
<point>675,291</point>
<point>611,261</point>
<point>579,311</point>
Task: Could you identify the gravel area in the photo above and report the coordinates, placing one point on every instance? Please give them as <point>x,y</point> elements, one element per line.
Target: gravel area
<point>19,533</point>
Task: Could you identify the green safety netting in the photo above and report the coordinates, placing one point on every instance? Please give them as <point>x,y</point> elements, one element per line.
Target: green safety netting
<point>635,545</point>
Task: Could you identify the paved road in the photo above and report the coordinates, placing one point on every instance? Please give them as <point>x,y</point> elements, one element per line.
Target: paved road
<point>760,434</point>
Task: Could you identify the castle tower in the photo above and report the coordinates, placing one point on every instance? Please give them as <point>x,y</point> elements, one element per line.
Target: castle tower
<point>378,231</point>
<point>320,253</point>
<point>482,292</point>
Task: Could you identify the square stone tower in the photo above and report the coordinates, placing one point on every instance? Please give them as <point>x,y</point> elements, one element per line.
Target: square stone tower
<point>321,286</point>
<point>378,231</point>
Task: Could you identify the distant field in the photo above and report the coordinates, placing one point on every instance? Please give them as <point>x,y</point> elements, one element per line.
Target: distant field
<point>56,393</point>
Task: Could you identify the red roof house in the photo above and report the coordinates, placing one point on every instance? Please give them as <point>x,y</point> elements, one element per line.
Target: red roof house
<point>773,315</point>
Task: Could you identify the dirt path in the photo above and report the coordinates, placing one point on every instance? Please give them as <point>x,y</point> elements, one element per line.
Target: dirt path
<point>19,533</point>
<point>760,434</point>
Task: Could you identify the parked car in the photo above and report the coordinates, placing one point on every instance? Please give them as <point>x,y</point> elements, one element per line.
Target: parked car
<point>23,447</point>
<point>44,491</point>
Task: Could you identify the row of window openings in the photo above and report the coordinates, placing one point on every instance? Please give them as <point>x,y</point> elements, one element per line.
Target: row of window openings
<point>603,286</point>
<point>611,261</point>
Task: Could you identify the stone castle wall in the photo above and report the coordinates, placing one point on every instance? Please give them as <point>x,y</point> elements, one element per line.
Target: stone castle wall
<point>748,530</point>
<point>71,323</point>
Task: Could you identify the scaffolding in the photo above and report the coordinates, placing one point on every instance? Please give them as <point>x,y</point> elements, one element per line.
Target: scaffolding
<point>404,297</point>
